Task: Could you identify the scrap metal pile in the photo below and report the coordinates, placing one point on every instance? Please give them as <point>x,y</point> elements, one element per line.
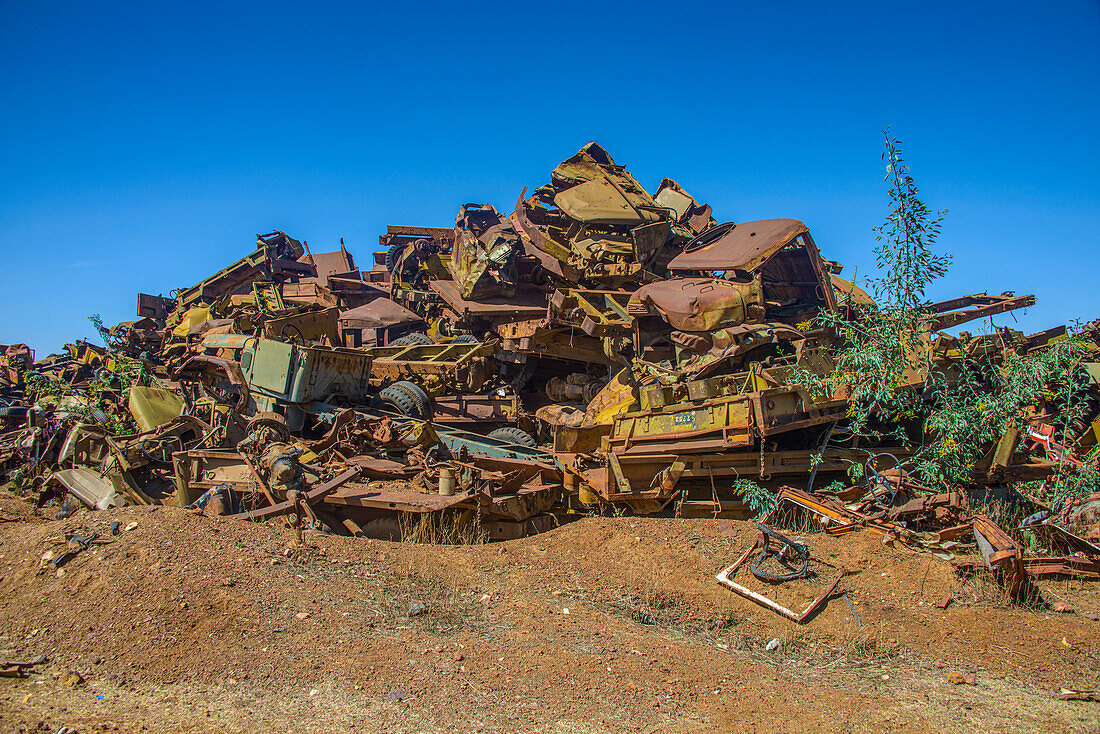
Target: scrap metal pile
<point>600,348</point>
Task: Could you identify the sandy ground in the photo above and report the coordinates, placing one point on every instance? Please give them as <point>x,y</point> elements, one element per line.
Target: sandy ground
<point>185,623</point>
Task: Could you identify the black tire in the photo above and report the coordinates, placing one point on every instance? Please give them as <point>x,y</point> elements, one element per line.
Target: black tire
<point>414,391</point>
<point>464,339</point>
<point>13,411</point>
<point>411,340</point>
<point>398,401</point>
<point>392,256</point>
<point>514,435</point>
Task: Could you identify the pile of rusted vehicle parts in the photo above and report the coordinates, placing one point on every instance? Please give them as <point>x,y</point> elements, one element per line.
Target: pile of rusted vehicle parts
<point>599,348</point>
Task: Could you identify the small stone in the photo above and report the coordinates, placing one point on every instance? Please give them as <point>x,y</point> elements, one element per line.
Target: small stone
<point>417,608</point>
<point>228,582</point>
<point>772,645</point>
<point>459,657</point>
<point>397,695</point>
<point>73,679</point>
<point>302,615</point>
<point>1063,607</point>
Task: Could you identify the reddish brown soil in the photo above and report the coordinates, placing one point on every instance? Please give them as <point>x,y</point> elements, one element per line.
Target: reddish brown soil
<point>195,624</point>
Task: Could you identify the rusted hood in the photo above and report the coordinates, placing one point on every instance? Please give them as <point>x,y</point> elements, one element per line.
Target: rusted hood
<point>696,304</point>
<point>379,313</point>
<point>737,247</point>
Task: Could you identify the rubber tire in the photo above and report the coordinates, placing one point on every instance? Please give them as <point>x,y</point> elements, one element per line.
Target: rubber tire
<point>13,411</point>
<point>398,400</point>
<point>465,339</point>
<point>514,435</point>
<point>411,340</point>
<point>392,256</point>
<point>417,393</point>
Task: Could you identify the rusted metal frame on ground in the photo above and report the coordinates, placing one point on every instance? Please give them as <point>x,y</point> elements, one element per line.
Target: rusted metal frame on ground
<point>725,577</point>
<point>1073,566</point>
<point>850,521</point>
<point>1000,551</point>
<point>311,496</point>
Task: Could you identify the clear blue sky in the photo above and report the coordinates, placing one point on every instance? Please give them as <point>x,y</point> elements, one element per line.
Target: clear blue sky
<point>144,144</point>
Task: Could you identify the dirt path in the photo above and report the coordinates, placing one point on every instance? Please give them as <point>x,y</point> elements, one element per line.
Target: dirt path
<point>191,624</point>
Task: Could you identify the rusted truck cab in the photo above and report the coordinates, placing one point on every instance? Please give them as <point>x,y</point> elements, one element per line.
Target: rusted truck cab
<point>727,279</point>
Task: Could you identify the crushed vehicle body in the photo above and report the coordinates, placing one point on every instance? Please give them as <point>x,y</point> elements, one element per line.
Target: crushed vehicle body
<point>599,349</point>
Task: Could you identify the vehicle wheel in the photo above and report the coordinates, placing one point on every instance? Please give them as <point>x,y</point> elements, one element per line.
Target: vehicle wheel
<point>514,435</point>
<point>464,339</point>
<point>414,391</point>
<point>592,389</point>
<point>395,400</point>
<point>413,339</point>
<point>393,255</point>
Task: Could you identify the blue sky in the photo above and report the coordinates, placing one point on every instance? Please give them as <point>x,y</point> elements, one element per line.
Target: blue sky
<point>145,144</point>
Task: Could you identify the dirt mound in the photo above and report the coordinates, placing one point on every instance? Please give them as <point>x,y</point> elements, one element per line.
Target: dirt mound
<point>187,623</point>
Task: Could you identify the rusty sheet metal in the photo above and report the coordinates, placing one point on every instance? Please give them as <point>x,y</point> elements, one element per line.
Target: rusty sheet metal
<point>379,313</point>
<point>527,302</point>
<point>483,259</point>
<point>306,326</point>
<point>699,304</point>
<point>731,418</point>
<point>226,341</point>
<point>1068,566</point>
<point>475,409</point>
<point>1000,551</point>
<point>308,293</point>
<point>743,246</point>
<point>330,263</point>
